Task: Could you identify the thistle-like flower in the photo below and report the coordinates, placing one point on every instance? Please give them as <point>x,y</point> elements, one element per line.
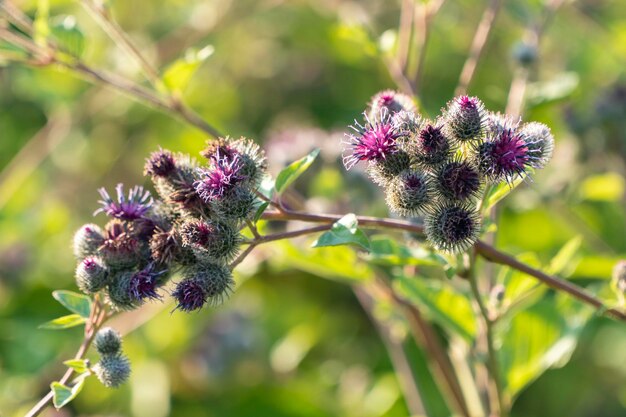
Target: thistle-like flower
<point>465,118</point>
<point>215,240</point>
<point>133,207</point>
<point>251,157</point>
<point>390,101</point>
<point>432,146</point>
<point>452,227</point>
<point>143,284</point>
<point>540,143</point>
<point>373,142</point>
<point>108,341</point>
<point>87,240</point>
<point>409,194</point>
<point>381,172</point>
<point>238,204</point>
<point>91,275</point>
<point>504,155</point>
<point>160,164</point>
<point>222,177</point>
<point>112,370</point>
<point>203,283</point>
<point>457,180</point>
<point>407,121</point>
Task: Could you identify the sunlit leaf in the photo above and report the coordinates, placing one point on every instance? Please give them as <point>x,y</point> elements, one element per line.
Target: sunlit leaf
<point>560,87</point>
<point>64,322</point>
<point>178,75</point>
<point>63,394</point>
<point>78,365</point>
<point>564,262</point>
<point>294,170</point>
<point>499,191</point>
<point>68,35</point>
<point>449,308</point>
<point>538,338</point>
<point>345,231</point>
<point>76,303</point>
<point>336,263</point>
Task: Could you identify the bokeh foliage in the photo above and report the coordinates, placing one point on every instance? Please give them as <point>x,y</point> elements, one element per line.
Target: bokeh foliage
<point>292,74</point>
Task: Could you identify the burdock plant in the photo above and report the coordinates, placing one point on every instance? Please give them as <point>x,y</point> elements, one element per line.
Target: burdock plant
<point>179,240</point>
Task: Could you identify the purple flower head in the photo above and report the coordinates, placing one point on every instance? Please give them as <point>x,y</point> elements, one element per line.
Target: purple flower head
<point>465,119</point>
<point>160,164</point>
<point>468,103</point>
<point>190,295</point>
<point>222,177</point>
<point>131,208</point>
<point>219,148</point>
<point>372,141</point>
<point>143,284</point>
<point>458,180</point>
<point>505,156</point>
<point>433,146</point>
<point>392,101</point>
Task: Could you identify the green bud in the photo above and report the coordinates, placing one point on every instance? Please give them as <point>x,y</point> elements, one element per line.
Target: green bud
<point>91,275</point>
<point>113,370</point>
<point>108,341</point>
<point>87,240</point>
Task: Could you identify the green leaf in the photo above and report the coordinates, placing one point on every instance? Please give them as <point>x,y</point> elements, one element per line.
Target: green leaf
<point>78,365</point>
<point>64,322</point>
<point>538,338</point>
<point>74,302</point>
<point>450,309</point>
<point>560,87</point>
<point>294,170</point>
<point>337,263</point>
<point>180,72</point>
<point>63,394</point>
<point>68,35</point>
<point>345,231</point>
<point>498,192</point>
<point>259,212</point>
<point>564,262</point>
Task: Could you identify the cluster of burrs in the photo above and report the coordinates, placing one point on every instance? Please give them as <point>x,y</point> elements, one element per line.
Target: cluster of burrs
<point>193,227</point>
<point>439,168</point>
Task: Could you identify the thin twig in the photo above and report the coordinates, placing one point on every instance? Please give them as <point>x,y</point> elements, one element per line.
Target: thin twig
<point>422,21</point>
<point>533,35</point>
<point>103,17</point>
<point>397,354</point>
<point>478,44</point>
<point>96,320</point>
<point>404,33</point>
<point>496,392</point>
<point>274,237</point>
<point>488,252</point>
<point>426,336</point>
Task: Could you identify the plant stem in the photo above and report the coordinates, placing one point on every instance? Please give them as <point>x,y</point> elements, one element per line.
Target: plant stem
<point>483,249</point>
<point>533,35</point>
<point>478,44</point>
<point>496,392</point>
<point>422,21</point>
<point>117,34</point>
<point>424,334</point>
<point>397,354</point>
<point>96,319</point>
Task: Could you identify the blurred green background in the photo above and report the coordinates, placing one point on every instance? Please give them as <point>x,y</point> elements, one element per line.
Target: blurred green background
<point>292,75</point>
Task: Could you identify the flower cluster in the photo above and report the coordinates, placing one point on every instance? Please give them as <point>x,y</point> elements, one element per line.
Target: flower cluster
<point>193,227</point>
<point>439,168</point>
<point>113,369</point>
